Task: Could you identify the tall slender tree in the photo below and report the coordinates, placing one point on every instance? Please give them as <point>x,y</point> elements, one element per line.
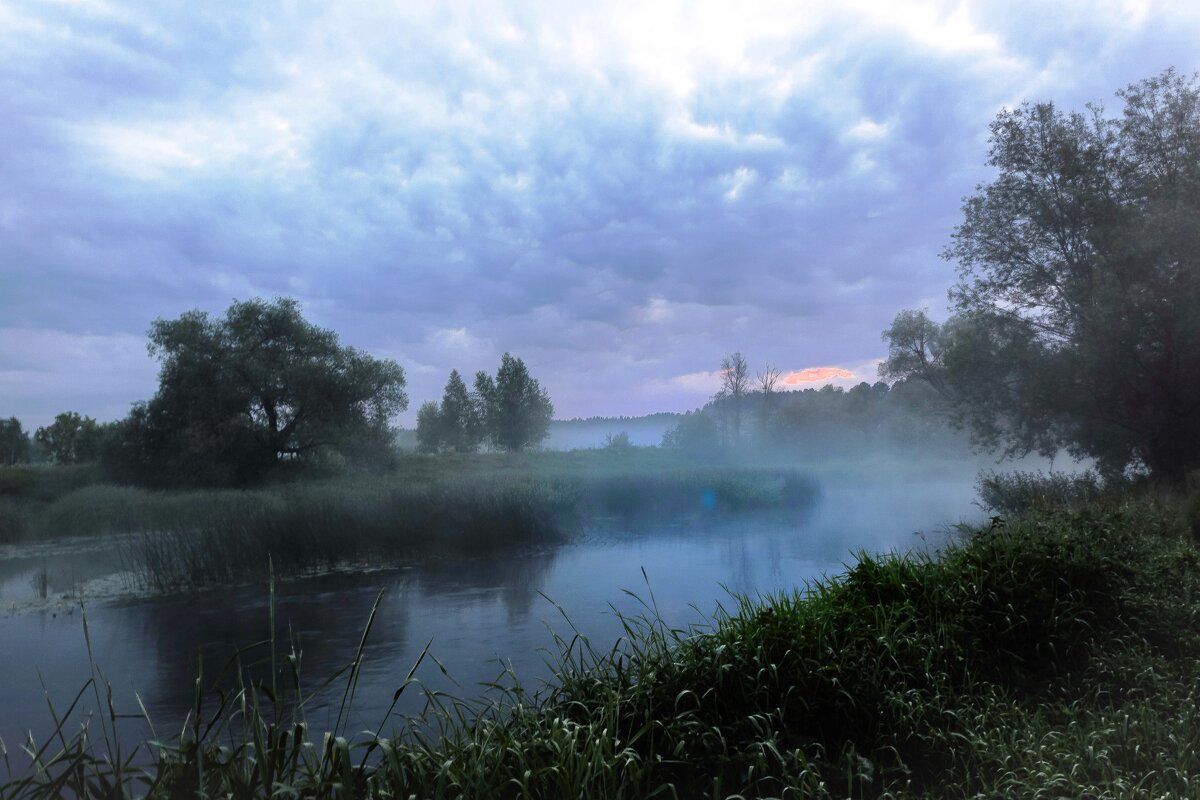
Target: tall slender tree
<point>462,428</point>
<point>735,384</point>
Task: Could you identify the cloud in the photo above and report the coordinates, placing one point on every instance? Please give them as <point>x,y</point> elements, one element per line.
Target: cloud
<point>620,192</point>
<point>97,374</point>
<point>816,375</point>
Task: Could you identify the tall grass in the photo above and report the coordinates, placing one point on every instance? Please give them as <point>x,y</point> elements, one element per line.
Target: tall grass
<point>1055,655</point>
<point>104,509</point>
<point>315,530</point>
<point>25,490</point>
<point>314,527</point>
<point>1012,493</point>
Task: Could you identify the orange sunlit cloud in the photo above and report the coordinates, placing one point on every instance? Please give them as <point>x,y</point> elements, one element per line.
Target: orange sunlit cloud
<point>815,374</point>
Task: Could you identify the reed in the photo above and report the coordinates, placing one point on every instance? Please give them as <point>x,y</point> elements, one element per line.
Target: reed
<point>1010,493</point>
<point>308,528</point>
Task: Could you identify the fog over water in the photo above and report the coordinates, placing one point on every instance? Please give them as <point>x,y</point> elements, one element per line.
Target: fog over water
<point>474,612</point>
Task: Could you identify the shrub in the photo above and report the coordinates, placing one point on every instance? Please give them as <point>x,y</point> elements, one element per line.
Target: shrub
<point>1014,493</point>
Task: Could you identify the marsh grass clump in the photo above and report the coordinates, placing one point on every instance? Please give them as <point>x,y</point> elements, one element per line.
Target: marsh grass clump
<point>196,539</point>
<point>1013,493</point>
<point>315,529</point>
<point>40,580</point>
<point>1052,655</point>
<point>106,509</point>
<point>14,520</point>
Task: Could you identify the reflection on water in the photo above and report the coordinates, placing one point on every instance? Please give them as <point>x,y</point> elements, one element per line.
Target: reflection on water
<point>477,612</point>
<point>68,568</point>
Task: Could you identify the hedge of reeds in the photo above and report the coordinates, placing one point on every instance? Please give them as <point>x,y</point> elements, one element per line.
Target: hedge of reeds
<point>314,530</point>
<point>1055,655</point>
<point>1016,492</point>
<point>312,527</point>
<point>440,505</point>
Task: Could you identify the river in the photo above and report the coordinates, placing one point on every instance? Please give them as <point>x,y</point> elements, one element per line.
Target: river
<point>476,614</point>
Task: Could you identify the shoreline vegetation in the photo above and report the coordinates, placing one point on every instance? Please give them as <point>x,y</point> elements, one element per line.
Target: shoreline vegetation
<point>442,506</point>
<point>1051,653</point>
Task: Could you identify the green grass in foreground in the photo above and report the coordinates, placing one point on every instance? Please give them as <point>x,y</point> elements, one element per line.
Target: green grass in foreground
<point>1056,655</point>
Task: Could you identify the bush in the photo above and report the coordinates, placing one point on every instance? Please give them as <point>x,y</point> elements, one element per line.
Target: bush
<point>1014,493</point>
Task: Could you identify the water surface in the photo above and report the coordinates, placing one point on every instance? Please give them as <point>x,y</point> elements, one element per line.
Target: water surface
<point>480,615</point>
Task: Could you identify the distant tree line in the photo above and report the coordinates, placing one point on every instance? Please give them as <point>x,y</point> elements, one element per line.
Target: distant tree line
<point>510,412</point>
<point>70,439</point>
<point>755,414</point>
<point>241,396</point>
<point>259,392</point>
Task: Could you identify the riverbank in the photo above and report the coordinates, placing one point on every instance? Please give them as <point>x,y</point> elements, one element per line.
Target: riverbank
<point>1056,654</point>
<point>443,506</point>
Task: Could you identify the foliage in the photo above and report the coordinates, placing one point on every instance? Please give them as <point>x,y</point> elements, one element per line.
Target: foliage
<point>44,501</point>
<point>71,439</point>
<point>14,442</point>
<point>829,419</point>
<point>456,425</point>
<point>697,433</point>
<point>1075,319</point>
<point>1055,656</point>
<point>461,423</point>
<point>515,409</point>
<point>25,492</point>
<point>243,394</point>
<point>618,443</point>
<point>1014,493</point>
<point>429,427</point>
<point>302,528</point>
<point>317,528</point>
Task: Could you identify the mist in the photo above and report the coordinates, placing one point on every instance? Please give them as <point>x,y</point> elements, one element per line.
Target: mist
<point>599,400</point>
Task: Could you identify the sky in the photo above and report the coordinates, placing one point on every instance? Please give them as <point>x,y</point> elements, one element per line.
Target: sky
<point>618,193</point>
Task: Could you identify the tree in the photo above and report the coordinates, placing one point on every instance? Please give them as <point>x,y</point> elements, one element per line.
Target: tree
<point>695,434</point>
<point>429,428</point>
<point>461,426</point>
<point>515,410</point>
<point>454,425</point>
<point>14,442</point>
<point>70,439</point>
<point>735,383</point>
<point>261,385</point>
<point>768,382</point>
<point>1075,318</point>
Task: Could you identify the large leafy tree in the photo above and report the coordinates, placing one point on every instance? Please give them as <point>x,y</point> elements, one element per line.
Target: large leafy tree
<point>240,393</point>
<point>1076,319</point>
<point>70,439</point>
<point>14,442</point>
<point>515,410</point>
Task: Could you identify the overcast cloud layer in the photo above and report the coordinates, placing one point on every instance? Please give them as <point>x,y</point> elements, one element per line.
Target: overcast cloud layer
<point>619,195</point>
